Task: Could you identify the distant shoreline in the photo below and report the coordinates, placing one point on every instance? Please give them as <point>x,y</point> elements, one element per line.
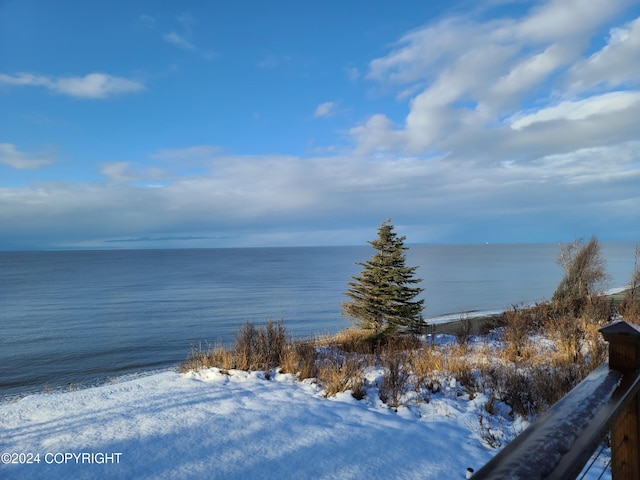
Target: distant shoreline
<point>483,323</point>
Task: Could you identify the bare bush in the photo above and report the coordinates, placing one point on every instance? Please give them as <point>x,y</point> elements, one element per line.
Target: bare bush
<point>568,333</point>
<point>338,373</point>
<point>300,358</point>
<point>350,340</point>
<point>584,275</point>
<point>260,348</point>
<point>595,349</point>
<point>516,330</point>
<point>246,347</point>
<point>463,332</point>
<point>398,344</point>
<point>195,360</point>
<point>200,358</point>
<point>634,285</point>
<point>394,384</point>
<point>598,310</point>
<point>527,376</point>
<point>630,311</point>
<point>272,343</point>
<point>630,306</point>
<point>254,348</point>
<point>220,357</point>
<point>427,366</point>
<point>531,389</point>
<point>489,428</point>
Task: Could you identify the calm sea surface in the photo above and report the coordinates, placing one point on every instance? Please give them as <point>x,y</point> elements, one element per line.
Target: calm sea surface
<point>80,317</point>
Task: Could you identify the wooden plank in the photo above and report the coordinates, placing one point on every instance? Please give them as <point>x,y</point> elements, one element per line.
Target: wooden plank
<point>624,354</point>
<point>625,443</point>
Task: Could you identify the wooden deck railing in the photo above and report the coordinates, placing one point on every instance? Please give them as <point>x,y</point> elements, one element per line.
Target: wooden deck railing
<point>561,441</point>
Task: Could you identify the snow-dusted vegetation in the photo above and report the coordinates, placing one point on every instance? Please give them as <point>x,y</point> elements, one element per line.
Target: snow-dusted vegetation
<point>428,408</point>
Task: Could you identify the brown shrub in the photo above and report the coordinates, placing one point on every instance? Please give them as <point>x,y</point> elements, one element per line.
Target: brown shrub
<point>426,364</point>
<point>259,348</point>
<point>300,358</point>
<point>463,332</point>
<point>516,328</point>
<point>272,344</point>
<point>598,309</point>
<point>350,340</point>
<point>398,343</point>
<point>596,349</point>
<point>629,309</point>
<point>246,347</point>
<point>532,387</point>
<point>339,373</point>
<point>567,332</point>
<point>198,359</point>
<point>394,384</point>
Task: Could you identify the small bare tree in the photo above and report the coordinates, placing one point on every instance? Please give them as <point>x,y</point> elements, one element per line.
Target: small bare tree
<point>634,287</point>
<point>630,307</point>
<point>585,274</point>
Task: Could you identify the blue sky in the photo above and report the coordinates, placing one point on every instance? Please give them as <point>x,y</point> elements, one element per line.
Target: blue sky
<point>152,124</point>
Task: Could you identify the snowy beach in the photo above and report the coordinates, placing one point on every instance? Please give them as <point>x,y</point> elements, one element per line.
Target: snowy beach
<point>210,425</point>
<point>236,426</point>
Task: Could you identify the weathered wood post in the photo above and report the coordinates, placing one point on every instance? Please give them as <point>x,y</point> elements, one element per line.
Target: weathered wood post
<point>624,355</point>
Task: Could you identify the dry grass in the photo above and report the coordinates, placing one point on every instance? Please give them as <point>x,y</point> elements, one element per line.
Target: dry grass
<point>463,333</point>
<point>629,309</point>
<point>529,363</point>
<point>300,358</point>
<point>260,348</point>
<point>395,379</point>
<point>198,359</point>
<point>517,327</point>
<point>348,340</point>
<point>427,363</point>
<point>255,348</point>
<point>339,373</point>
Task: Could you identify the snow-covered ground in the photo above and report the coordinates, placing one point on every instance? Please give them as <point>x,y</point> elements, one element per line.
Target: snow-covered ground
<point>208,425</point>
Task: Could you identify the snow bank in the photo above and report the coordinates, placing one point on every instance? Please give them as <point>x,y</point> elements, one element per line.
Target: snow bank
<point>210,425</point>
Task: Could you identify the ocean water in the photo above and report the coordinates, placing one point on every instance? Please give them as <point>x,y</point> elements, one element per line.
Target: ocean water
<point>81,317</point>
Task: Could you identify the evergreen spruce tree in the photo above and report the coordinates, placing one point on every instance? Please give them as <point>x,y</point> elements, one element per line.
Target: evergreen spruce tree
<point>382,297</point>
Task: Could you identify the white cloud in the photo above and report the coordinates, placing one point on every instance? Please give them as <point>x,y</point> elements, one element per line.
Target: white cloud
<point>279,193</point>
<point>23,79</point>
<point>468,79</point>
<point>377,134</point>
<point>96,85</point>
<point>417,53</point>
<point>525,75</point>
<point>607,103</point>
<point>178,41</point>
<point>615,64</point>
<point>117,171</point>
<point>506,124</point>
<point>93,85</point>
<point>325,109</point>
<point>127,172</point>
<point>11,156</point>
<point>567,20</point>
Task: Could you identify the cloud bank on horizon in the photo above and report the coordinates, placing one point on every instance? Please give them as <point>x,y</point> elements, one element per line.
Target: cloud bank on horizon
<point>125,126</point>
